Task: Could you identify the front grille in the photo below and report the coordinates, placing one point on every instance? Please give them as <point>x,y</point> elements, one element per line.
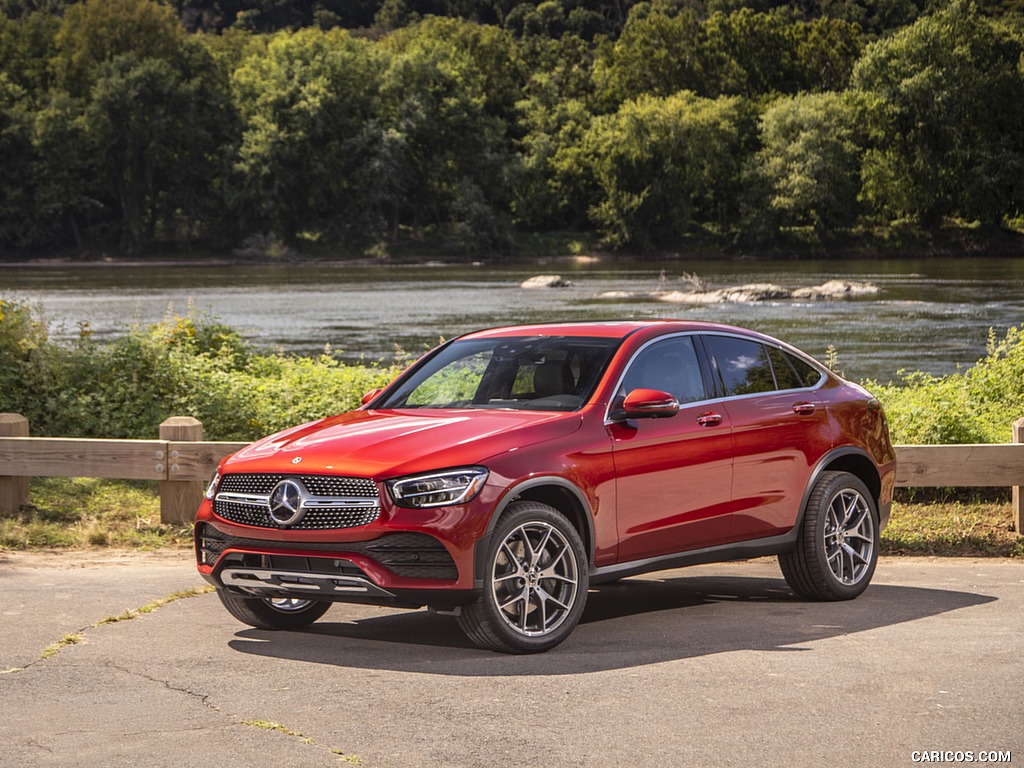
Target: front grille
<point>410,555</point>
<point>318,485</point>
<point>334,502</point>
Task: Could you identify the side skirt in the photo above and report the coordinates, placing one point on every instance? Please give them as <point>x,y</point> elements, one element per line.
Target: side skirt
<point>775,545</point>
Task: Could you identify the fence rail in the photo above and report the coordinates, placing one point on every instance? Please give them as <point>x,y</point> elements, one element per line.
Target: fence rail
<point>183,462</point>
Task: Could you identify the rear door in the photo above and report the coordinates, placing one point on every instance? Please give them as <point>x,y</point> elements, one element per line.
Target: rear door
<point>780,430</point>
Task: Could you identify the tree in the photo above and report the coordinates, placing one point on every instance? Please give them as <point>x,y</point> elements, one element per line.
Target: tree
<point>65,178</point>
<point>95,32</point>
<point>448,99</point>
<point>663,165</point>
<point>827,50</point>
<point>809,165</point>
<point>748,53</point>
<point>15,159</point>
<point>305,105</point>
<point>658,53</point>
<point>948,119</point>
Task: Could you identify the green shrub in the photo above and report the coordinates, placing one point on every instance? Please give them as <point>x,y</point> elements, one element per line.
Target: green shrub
<point>195,366</point>
<point>181,366</point>
<point>977,405</point>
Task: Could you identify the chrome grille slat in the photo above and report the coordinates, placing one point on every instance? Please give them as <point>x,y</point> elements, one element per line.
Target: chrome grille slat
<point>334,502</point>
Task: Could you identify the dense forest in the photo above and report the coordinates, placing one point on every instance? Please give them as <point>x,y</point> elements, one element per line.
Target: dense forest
<point>348,126</point>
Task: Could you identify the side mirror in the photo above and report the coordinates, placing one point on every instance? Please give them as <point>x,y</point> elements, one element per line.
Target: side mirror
<point>370,396</point>
<point>647,404</point>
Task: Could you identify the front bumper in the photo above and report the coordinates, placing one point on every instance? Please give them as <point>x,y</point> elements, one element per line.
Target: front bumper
<point>405,558</point>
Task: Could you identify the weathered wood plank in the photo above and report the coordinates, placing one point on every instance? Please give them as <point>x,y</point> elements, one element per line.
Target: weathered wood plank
<point>959,466</point>
<point>197,461</point>
<point>917,465</point>
<point>13,490</point>
<point>1018,498</point>
<point>82,457</point>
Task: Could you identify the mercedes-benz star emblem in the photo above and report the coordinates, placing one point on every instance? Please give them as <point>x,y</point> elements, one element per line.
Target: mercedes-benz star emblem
<point>286,503</point>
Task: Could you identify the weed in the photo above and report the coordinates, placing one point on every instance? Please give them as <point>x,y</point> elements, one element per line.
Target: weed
<point>71,638</point>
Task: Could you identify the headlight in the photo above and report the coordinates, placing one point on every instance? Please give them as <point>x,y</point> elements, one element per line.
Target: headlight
<point>438,489</point>
<point>211,490</point>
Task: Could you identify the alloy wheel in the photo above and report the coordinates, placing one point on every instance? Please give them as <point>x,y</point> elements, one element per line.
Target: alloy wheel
<point>535,579</point>
<point>849,536</point>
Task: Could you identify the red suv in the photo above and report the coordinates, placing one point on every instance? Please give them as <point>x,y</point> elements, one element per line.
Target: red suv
<point>509,469</point>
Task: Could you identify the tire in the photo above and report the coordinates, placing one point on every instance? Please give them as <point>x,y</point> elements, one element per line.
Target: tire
<point>536,577</point>
<point>837,550</point>
<point>272,613</point>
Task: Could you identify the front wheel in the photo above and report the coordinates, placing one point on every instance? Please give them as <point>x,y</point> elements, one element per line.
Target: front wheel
<point>837,550</point>
<point>272,612</point>
<point>535,582</point>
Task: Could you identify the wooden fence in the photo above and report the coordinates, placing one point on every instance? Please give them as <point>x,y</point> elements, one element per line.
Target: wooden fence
<point>183,463</point>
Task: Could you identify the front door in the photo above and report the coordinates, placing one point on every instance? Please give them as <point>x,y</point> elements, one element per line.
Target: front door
<point>674,475</point>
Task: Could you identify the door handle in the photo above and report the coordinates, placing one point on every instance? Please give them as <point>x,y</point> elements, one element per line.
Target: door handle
<point>709,419</point>
<point>803,408</point>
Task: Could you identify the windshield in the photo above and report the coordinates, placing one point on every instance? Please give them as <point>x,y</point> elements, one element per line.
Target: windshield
<point>544,373</point>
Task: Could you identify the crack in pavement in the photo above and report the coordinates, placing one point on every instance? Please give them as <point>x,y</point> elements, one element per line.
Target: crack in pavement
<point>129,614</point>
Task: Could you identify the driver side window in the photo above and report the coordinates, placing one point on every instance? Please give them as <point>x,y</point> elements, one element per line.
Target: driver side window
<point>669,365</point>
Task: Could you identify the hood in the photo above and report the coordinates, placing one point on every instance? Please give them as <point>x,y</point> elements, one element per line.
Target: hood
<point>384,444</point>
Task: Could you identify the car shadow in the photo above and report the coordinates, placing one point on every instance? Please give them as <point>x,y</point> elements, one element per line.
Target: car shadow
<point>626,624</point>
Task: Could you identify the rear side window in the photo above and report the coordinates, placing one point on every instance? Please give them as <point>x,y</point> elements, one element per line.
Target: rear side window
<point>791,372</point>
<point>740,365</point>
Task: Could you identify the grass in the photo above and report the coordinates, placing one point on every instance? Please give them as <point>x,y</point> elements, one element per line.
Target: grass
<point>81,513</point>
<point>952,529</point>
<point>152,605</point>
<point>71,638</point>
<point>269,725</point>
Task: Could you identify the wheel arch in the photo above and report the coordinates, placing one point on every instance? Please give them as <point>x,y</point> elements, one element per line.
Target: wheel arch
<point>849,459</point>
<point>557,492</point>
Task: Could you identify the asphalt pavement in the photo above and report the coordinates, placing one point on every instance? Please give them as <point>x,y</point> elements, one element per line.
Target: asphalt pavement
<point>716,665</point>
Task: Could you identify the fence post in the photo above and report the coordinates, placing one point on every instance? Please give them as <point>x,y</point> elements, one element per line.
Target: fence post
<point>13,490</point>
<point>1018,502</point>
<point>179,499</point>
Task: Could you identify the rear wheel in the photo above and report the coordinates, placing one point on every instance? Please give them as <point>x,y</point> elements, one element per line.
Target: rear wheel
<point>837,549</point>
<point>272,612</point>
<point>535,582</point>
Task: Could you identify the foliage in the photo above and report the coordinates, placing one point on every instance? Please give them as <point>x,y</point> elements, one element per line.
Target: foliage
<point>350,125</point>
<point>808,169</point>
<point>305,104</point>
<point>660,164</point>
<point>948,122</point>
<point>973,406</point>
<point>182,366</point>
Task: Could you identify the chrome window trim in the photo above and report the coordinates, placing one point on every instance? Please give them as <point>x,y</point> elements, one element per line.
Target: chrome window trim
<point>632,359</point>
<point>782,347</point>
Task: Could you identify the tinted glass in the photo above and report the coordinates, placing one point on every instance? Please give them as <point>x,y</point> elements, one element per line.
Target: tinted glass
<point>785,375</point>
<point>554,373</point>
<point>791,372</point>
<point>741,365</point>
<point>809,375</point>
<point>669,366</point>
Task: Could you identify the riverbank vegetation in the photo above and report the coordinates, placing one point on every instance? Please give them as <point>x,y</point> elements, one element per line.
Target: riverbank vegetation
<point>282,128</point>
<point>196,366</point>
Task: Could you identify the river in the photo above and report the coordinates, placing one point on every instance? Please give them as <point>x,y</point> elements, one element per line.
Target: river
<point>930,315</point>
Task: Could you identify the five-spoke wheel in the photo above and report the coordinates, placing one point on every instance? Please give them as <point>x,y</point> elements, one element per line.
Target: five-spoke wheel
<point>837,550</point>
<point>535,583</point>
